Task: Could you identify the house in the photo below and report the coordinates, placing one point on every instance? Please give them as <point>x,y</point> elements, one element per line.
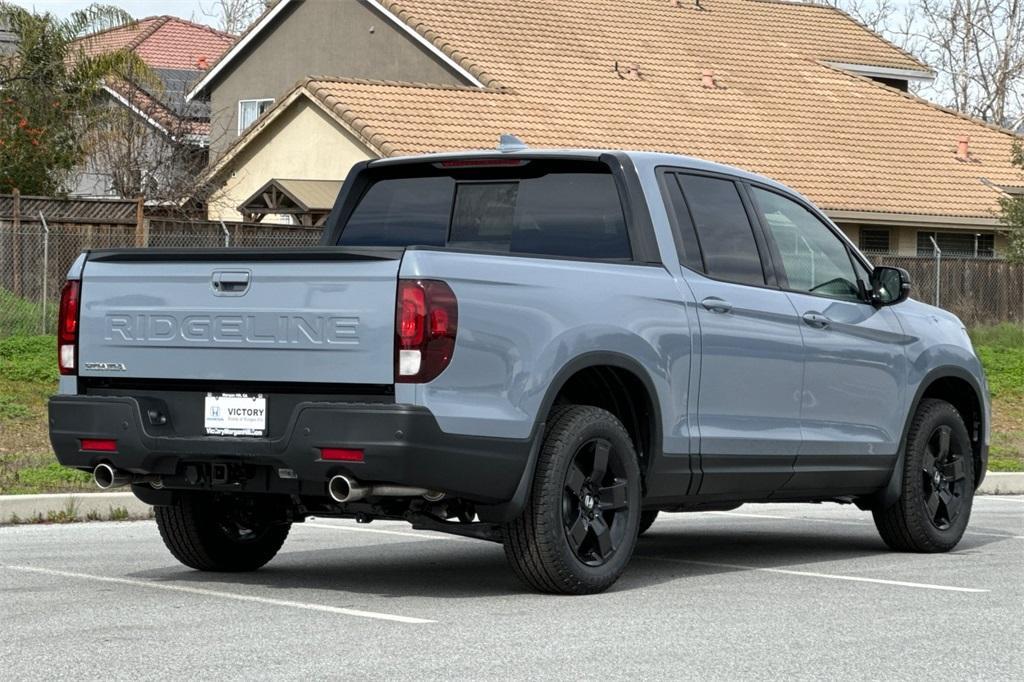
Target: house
<point>799,92</point>
<point>159,142</point>
<point>8,40</point>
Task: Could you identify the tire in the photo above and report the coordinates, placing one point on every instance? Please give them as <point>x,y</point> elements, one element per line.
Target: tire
<point>208,532</point>
<point>647,520</point>
<point>937,491</point>
<point>579,528</point>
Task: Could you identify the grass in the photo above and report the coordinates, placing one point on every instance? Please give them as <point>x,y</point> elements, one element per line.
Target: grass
<point>28,377</point>
<point>19,317</point>
<point>71,513</point>
<point>1001,349</point>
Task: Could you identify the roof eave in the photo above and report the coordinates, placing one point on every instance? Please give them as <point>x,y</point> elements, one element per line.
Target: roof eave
<point>379,7</point>
<point>237,48</point>
<point>910,219</point>
<point>872,71</point>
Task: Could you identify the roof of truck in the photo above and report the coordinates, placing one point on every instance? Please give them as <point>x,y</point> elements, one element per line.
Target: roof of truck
<point>643,160</point>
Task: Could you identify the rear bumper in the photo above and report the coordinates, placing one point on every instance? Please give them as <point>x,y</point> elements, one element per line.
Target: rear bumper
<point>403,444</point>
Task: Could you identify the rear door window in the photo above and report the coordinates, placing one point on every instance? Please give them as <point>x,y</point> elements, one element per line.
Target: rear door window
<point>569,214</point>
<point>723,229</point>
<point>401,212</point>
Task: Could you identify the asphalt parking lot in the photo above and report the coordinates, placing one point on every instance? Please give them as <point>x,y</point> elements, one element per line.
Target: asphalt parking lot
<point>763,592</point>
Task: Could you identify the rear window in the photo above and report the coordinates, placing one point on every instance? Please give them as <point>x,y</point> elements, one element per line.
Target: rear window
<point>572,211</point>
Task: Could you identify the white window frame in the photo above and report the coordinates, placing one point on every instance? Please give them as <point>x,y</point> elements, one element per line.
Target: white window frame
<point>258,101</point>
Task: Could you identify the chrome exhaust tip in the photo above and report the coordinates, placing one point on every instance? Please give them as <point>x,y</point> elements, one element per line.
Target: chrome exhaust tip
<point>343,489</point>
<point>107,477</point>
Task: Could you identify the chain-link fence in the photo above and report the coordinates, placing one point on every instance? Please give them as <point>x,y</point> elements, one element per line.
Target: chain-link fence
<point>35,257</point>
<point>977,290</point>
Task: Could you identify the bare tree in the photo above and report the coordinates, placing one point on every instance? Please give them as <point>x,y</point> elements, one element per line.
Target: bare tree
<point>878,15</point>
<point>978,48</point>
<point>146,142</point>
<point>234,16</point>
<point>975,46</point>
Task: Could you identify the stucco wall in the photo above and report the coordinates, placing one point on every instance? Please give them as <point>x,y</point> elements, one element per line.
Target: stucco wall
<point>343,38</point>
<point>903,239</point>
<point>303,142</point>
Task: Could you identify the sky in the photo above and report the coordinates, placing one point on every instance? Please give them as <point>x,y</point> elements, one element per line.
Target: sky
<point>187,9</point>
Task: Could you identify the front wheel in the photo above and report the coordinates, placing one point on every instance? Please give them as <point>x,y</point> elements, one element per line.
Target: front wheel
<point>212,532</point>
<point>580,524</point>
<point>935,500</point>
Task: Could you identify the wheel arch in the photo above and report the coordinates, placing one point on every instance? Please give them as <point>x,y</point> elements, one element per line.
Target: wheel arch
<point>960,388</point>
<point>643,422</point>
<point>650,442</point>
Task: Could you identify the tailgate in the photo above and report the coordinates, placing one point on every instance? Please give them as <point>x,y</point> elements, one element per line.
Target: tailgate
<point>319,315</point>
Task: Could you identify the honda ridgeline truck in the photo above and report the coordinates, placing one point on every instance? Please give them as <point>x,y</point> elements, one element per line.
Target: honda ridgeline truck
<point>541,349</point>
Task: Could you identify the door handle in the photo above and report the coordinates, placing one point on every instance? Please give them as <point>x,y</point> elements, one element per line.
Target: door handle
<point>228,283</point>
<point>716,305</point>
<point>816,320</point>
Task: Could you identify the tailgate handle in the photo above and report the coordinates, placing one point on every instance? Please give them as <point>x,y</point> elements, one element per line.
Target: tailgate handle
<point>230,283</point>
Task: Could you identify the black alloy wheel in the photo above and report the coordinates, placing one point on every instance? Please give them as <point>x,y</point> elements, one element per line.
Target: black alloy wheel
<point>595,502</point>
<point>944,478</point>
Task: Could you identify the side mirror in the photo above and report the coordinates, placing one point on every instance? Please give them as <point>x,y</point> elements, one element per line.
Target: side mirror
<point>889,286</point>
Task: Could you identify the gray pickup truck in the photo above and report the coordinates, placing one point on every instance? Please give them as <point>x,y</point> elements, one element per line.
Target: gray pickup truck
<point>542,349</point>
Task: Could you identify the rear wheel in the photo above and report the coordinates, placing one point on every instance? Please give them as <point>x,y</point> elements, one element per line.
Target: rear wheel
<point>211,532</point>
<point>580,525</point>
<point>938,484</point>
<point>647,520</point>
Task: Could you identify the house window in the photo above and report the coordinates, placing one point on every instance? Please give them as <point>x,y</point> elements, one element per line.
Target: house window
<point>957,244</point>
<point>874,240</point>
<point>249,110</point>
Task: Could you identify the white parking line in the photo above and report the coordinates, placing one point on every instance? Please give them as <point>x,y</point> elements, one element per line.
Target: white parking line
<point>847,523</point>
<point>745,515</point>
<point>418,536</point>
<point>810,574</point>
<point>222,595</point>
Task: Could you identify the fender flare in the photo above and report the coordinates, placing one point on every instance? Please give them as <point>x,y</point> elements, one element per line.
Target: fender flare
<point>890,494</point>
<point>507,511</point>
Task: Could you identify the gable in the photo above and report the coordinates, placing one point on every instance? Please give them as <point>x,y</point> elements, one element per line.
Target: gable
<point>347,39</point>
<point>301,138</point>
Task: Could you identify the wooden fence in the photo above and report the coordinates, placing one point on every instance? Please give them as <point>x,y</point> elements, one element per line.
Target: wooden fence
<point>41,237</point>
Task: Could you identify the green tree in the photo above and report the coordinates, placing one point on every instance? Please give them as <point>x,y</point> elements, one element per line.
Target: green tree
<point>48,93</point>
<point>1012,215</point>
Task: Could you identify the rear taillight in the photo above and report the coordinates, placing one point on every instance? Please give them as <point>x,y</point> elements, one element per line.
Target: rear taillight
<point>426,321</point>
<point>67,327</point>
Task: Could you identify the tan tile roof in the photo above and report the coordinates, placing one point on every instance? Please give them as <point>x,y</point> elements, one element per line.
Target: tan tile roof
<point>779,109</point>
<point>496,39</point>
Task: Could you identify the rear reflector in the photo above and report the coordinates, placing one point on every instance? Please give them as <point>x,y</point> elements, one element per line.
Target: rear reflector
<point>99,444</point>
<point>342,454</point>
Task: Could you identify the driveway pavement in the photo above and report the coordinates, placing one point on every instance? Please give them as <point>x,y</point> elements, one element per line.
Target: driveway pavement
<point>763,592</point>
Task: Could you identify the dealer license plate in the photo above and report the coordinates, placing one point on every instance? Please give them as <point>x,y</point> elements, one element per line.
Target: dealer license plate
<point>235,414</point>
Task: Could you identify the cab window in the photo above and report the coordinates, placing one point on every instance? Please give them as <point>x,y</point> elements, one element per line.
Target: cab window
<point>816,261</point>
